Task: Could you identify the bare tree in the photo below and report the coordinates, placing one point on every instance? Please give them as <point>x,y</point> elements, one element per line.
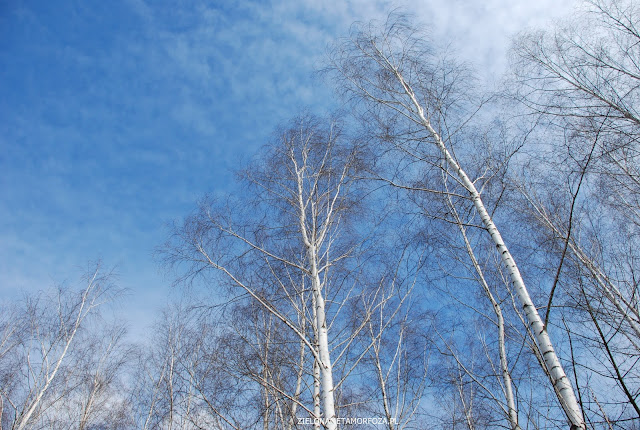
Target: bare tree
<point>47,350</point>
<point>283,247</point>
<point>509,408</point>
<point>580,84</point>
<point>392,72</point>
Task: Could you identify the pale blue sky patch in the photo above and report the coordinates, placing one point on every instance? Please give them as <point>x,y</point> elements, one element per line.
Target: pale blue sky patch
<point>115,117</point>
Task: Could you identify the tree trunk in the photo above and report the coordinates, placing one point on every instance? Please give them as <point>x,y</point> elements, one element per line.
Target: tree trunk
<point>326,373</point>
<point>560,381</point>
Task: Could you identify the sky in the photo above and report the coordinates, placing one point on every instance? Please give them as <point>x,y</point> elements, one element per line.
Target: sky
<point>117,116</point>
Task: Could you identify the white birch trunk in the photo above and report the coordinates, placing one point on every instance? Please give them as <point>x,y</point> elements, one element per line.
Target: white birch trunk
<point>316,369</point>
<point>316,395</point>
<point>512,412</point>
<point>560,381</point>
<point>84,307</point>
<point>383,382</point>
<point>330,419</point>
<point>313,236</point>
<point>298,390</point>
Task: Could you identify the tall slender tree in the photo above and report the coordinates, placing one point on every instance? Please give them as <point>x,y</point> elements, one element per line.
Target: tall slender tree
<point>283,245</point>
<point>417,103</point>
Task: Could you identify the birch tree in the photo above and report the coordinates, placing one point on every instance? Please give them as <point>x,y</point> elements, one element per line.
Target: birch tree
<point>509,406</point>
<point>189,377</point>
<point>583,78</point>
<point>579,83</point>
<point>392,72</point>
<point>166,392</point>
<point>46,347</point>
<point>283,247</point>
<point>396,358</point>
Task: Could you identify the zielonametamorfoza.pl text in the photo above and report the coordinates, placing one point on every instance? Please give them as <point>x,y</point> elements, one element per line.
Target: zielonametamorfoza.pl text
<point>376,421</point>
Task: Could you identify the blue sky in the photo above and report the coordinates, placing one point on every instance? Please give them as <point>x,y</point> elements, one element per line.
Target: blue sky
<point>116,116</point>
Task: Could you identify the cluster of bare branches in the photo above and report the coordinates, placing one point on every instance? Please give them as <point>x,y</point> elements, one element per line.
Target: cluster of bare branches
<point>293,247</point>
<point>61,365</point>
